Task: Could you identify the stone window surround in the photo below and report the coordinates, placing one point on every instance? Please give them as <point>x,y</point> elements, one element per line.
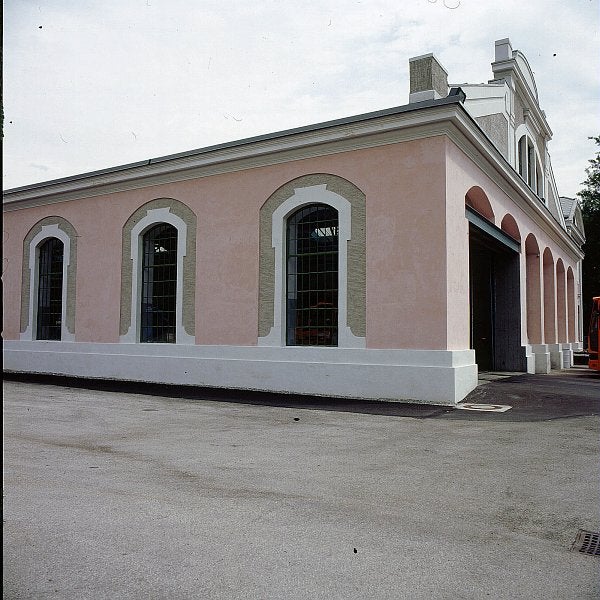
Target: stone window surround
<point>31,261</point>
<point>523,131</point>
<point>134,243</point>
<point>304,196</point>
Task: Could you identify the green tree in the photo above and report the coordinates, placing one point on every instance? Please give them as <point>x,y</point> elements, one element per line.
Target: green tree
<point>590,208</point>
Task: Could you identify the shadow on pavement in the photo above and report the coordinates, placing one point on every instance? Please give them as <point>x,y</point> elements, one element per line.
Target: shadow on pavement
<point>184,392</point>
<point>562,394</point>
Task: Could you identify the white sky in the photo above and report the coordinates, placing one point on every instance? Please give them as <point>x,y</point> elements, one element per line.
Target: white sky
<point>93,84</point>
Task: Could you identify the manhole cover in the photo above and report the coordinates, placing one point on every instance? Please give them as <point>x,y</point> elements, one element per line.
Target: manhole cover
<point>587,542</point>
<point>484,407</point>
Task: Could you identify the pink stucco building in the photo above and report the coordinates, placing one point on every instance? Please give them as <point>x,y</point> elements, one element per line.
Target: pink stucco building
<point>388,255</point>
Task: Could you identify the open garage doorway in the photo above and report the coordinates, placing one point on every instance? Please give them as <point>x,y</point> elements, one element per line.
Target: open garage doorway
<point>494,294</point>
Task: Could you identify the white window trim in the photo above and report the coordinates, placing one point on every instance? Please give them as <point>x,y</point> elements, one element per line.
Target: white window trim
<point>539,187</point>
<point>303,196</point>
<point>48,231</point>
<point>154,217</point>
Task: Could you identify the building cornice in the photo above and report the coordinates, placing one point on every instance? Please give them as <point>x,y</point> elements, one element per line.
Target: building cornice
<point>303,142</point>
<point>446,117</point>
<point>510,68</point>
<point>469,137</point>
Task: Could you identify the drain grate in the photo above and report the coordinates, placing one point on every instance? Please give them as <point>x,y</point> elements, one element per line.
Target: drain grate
<point>499,408</point>
<point>587,542</point>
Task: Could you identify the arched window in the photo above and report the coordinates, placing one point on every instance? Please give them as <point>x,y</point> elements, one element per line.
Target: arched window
<point>523,157</point>
<point>530,168</point>
<point>50,290</point>
<point>335,214</point>
<point>158,274</point>
<point>539,180</point>
<point>49,281</point>
<point>159,284</point>
<point>312,276</point>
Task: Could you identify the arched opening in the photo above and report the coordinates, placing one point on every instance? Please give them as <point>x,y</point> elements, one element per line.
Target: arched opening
<point>522,156</point>
<point>571,333</point>
<point>63,250</point>
<point>494,287</point>
<point>349,202</point>
<point>312,276</point>
<point>529,165</point>
<point>561,302</point>
<point>50,289</point>
<point>534,287</point>
<point>509,225</point>
<point>158,314</point>
<point>549,298</point>
<point>157,212</point>
<point>477,199</point>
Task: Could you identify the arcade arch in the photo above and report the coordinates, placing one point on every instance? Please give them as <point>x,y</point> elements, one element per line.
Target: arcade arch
<point>561,303</point>
<point>549,298</point>
<point>509,225</point>
<point>571,333</point>
<point>477,199</point>
<point>494,286</point>
<point>533,291</point>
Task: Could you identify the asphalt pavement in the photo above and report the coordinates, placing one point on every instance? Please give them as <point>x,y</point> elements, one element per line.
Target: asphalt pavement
<point>131,491</point>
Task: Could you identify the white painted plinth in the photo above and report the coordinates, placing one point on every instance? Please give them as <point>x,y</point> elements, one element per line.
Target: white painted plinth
<point>556,356</point>
<point>541,361</point>
<point>567,355</point>
<point>426,376</point>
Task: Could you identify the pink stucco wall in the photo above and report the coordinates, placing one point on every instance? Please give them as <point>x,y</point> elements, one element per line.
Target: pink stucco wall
<point>416,297</point>
<point>462,175</point>
<point>405,247</point>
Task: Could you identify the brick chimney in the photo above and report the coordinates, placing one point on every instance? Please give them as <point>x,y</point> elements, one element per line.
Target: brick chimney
<point>428,79</point>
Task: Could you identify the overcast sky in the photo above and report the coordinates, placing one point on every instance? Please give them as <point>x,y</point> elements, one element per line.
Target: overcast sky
<point>90,84</point>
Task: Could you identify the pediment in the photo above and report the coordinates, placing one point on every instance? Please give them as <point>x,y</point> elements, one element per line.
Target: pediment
<point>526,72</point>
<point>578,219</point>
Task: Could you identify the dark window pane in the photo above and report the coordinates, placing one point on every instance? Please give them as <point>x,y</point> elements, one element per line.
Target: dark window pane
<point>312,276</point>
<point>50,283</point>
<point>159,284</point>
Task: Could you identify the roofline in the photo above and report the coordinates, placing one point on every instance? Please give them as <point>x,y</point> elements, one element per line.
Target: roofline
<point>499,68</point>
<point>374,129</point>
<point>534,203</point>
<point>456,96</point>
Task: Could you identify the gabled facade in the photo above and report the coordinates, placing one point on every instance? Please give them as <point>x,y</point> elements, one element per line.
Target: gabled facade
<point>507,109</point>
<point>571,211</point>
<point>389,255</point>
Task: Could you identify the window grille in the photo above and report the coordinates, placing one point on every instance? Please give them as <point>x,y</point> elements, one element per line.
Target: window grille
<point>50,290</point>
<point>312,276</point>
<point>159,284</point>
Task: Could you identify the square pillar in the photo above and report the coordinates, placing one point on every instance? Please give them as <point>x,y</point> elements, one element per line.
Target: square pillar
<point>556,356</point>
<point>541,362</point>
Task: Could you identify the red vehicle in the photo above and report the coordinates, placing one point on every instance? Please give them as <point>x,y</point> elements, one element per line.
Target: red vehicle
<point>592,348</point>
<point>319,326</point>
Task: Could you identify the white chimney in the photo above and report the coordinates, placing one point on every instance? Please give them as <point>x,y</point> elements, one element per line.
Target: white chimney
<point>504,50</point>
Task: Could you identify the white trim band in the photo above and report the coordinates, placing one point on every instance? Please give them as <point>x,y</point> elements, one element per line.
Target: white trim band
<point>425,376</point>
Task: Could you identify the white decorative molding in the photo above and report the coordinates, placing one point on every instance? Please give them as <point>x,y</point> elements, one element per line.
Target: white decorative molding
<point>427,376</point>
<point>48,231</point>
<point>303,196</point>
<point>481,151</point>
<point>154,217</point>
<point>322,141</point>
<point>364,131</point>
